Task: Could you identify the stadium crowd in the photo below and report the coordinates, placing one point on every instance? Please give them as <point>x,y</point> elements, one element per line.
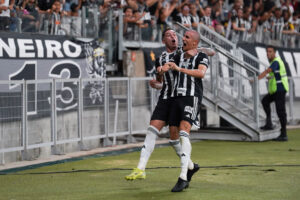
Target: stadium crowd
<point>238,20</point>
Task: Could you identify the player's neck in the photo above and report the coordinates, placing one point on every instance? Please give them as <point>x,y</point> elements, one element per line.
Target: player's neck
<point>171,50</point>
<point>190,53</point>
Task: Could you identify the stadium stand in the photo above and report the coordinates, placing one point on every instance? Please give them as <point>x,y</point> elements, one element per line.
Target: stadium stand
<point>260,21</point>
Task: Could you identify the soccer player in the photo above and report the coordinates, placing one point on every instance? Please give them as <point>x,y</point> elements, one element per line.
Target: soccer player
<point>160,116</point>
<point>190,67</point>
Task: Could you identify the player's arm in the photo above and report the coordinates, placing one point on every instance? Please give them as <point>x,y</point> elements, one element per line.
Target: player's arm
<point>197,73</point>
<point>207,51</point>
<point>163,69</point>
<point>157,83</point>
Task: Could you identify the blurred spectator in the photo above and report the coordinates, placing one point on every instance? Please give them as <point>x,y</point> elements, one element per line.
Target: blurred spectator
<point>5,7</point>
<point>165,11</point>
<point>269,5</point>
<point>258,9</point>
<point>287,22</point>
<point>71,23</point>
<point>219,16</point>
<point>250,24</point>
<point>14,21</point>
<point>104,9</point>
<point>288,32</point>
<point>206,19</point>
<point>184,16</point>
<point>277,23</point>
<point>74,8</point>
<point>296,21</point>
<point>263,28</point>
<point>194,12</point>
<point>238,4</point>
<point>287,5</point>
<point>67,6</point>
<point>238,26</point>
<point>129,24</point>
<point>45,5</point>
<point>142,7</point>
<point>140,20</point>
<point>204,3</point>
<point>30,17</point>
<point>55,19</point>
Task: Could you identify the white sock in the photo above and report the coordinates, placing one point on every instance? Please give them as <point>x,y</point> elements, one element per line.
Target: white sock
<point>177,147</point>
<point>186,153</point>
<point>148,147</point>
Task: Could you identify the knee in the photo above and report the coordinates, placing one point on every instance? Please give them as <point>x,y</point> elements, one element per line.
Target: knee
<point>281,112</point>
<point>158,124</point>
<point>264,101</point>
<point>174,135</point>
<point>185,126</point>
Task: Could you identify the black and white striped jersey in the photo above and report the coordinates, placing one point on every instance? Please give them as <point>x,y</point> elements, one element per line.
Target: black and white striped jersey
<point>185,85</point>
<point>277,25</point>
<point>168,77</point>
<point>184,19</point>
<point>206,20</point>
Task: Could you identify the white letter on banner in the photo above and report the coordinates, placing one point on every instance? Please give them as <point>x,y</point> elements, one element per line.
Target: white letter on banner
<point>40,48</point>
<point>26,45</point>
<point>53,46</point>
<point>296,74</point>
<point>66,46</point>
<point>10,49</point>
<point>262,56</point>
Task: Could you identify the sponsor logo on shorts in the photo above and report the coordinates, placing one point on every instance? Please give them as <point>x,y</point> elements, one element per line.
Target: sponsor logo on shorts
<point>188,109</point>
<point>188,116</point>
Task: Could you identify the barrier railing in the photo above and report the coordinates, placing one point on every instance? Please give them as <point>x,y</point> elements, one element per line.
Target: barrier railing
<point>48,115</point>
<point>235,68</point>
<point>95,109</point>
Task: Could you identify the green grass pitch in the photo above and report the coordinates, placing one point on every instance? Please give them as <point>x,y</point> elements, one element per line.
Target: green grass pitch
<point>230,171</point>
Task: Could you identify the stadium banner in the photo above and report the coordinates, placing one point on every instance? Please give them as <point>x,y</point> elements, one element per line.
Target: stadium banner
<point>289,57</point>
<point>35,57</point>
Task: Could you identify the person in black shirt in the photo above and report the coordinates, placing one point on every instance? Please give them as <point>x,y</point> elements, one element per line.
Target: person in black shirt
<point>30,18</point>
<point>189,68</point>
<point>161,113</point>
<point>45,5</point>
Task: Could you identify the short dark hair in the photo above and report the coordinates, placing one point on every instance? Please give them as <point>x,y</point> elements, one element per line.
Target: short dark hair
<point>271,47</point>
<point>127,7</point>
<point>166,30</point>
<point>73,7</point>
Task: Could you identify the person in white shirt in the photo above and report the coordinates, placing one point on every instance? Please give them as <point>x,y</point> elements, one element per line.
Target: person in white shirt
<point>5,7</point>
